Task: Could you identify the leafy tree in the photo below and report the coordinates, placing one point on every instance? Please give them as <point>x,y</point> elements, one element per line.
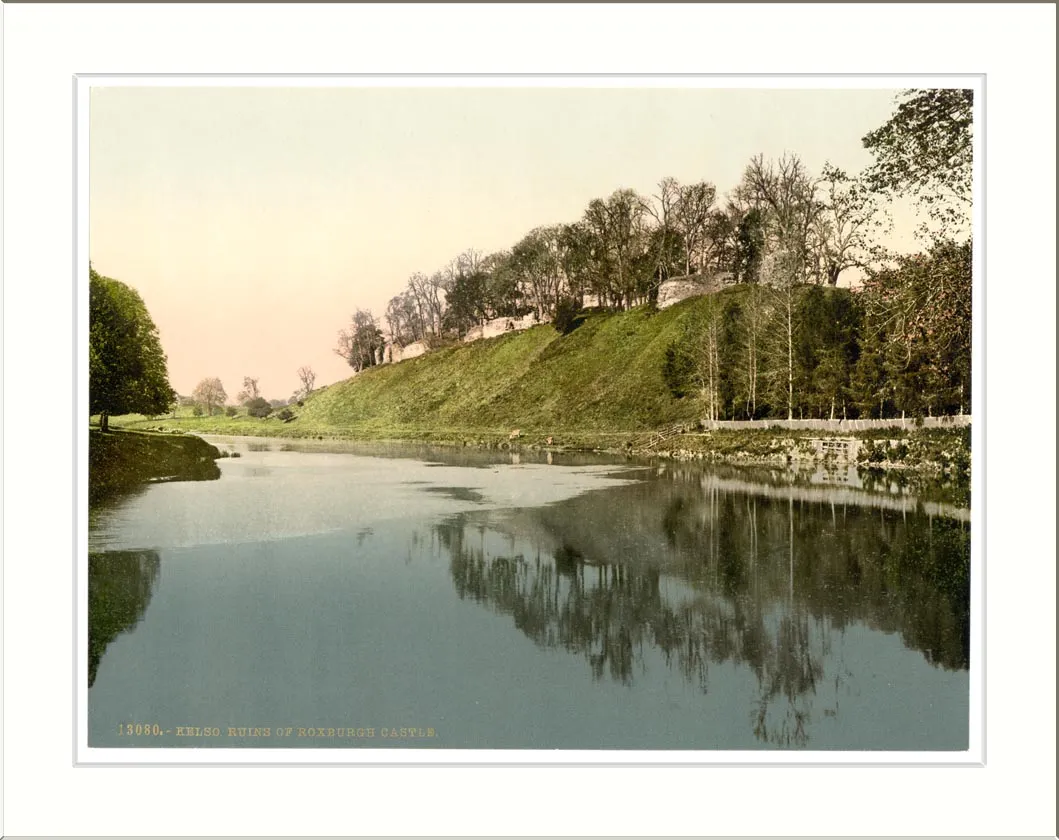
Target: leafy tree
<point>617,228</point>
<point>535,261</point>
<point>925,150</point>
<point>209,393</point>
<point>575,241</point>
<point>503,294</point>
<point>127,368</point>
<point>466,302</point>
<point>923,307</point>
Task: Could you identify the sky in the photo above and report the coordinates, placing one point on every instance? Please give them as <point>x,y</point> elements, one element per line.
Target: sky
<point>254,221</point>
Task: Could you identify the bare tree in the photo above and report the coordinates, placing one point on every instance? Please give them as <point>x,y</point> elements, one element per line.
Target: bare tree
<point>308,379</point>
<point>721,247</point>
<point>405,318</point>
<point>538,267</point>
<point>209,393</point>
<point>706,368</point>
<point>778,275</point>
<point>359,344</point>
<point>691,217</point>
<point>786,193</point>
<point>429,296</point>
<point>842,226</point>
<point>250,390</point>
<point>664,210</point>
<point>471,261</point>
<point>755,315</point>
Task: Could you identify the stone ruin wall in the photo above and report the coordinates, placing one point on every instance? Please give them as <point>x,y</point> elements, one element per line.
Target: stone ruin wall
<point>499,326</point>
<point>670,292</point>
<point>677,289</point>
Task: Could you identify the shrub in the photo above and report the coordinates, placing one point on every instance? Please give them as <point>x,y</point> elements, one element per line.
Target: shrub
<point>231,410</point>
<point>566,312</point>
<point>197,411</point>
<point>259,407</point>
<point>286,415</point>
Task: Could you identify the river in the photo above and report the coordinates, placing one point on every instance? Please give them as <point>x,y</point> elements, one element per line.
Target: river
<point>395,596</point>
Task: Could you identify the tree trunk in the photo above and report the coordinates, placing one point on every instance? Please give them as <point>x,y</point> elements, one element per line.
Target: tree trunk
<point>104,421</point>
<point>790,357</point>
<point>750,384</point>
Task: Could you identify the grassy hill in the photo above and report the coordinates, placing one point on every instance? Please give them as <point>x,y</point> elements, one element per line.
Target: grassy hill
<point>606,375</point>
<point>603,378</point>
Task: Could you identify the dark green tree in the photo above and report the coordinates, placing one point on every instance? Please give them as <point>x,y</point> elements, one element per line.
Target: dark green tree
<point>466,302</point>
<point>749,247</point>
<point>825,349</point>
<point>258,407</point>
<point>126,366</point>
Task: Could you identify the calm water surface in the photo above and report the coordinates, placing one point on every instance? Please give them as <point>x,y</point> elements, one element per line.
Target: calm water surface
<point>476,601</point>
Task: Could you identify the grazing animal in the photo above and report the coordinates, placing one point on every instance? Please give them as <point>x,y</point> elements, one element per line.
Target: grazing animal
<point>515,433</point>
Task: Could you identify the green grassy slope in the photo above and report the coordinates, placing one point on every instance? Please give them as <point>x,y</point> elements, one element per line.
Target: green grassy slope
<point>604,376</point>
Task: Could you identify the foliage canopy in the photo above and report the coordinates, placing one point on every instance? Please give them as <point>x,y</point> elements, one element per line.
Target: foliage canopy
<point>126,366</point>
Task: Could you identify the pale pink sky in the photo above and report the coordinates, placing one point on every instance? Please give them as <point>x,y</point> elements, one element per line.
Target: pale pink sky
<point>253,221</point>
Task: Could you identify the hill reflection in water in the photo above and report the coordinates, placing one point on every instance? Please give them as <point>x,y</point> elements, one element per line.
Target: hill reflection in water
<point>707,573</point>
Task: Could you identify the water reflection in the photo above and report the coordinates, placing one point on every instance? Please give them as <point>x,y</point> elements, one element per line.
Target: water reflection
<point>699,607</point>
<point>704,575</point>
<point>120,584</point>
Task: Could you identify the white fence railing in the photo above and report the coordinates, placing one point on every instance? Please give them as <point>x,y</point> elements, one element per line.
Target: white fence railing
<point>955,421</point>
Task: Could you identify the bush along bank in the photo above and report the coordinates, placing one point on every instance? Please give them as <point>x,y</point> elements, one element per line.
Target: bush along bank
<point>121,461</point>
<point>943,453</point>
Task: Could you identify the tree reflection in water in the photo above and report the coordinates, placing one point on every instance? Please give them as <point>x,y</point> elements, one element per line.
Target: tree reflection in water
<point>120,584</point>
<point>706,576</point>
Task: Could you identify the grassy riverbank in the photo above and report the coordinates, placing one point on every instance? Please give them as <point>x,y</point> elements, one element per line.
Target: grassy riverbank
<point>600,387</point>
<point>119,461</point>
